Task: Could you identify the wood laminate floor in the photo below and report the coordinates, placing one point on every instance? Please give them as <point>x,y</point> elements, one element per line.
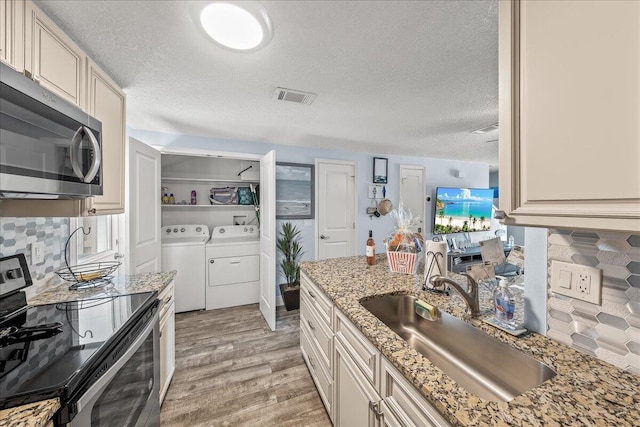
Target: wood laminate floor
<point>231,370</point>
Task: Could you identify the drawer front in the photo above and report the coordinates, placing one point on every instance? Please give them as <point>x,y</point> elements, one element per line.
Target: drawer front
<point>319,332</point>
<point>166,298</point>
<point>405,401</point>
<point>318,300</point>
<point>322,379</point>
<point>364,354</point>
<point>227,271</point>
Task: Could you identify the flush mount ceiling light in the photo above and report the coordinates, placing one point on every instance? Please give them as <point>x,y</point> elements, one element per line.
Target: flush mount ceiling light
<point>242,26</point>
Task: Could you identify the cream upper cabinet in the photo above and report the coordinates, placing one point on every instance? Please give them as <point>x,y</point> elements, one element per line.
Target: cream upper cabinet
<point>569,113</point>
<point>52,58</point>
<point>106,102</point>
<point>57,63</point>
<point>12,33</point>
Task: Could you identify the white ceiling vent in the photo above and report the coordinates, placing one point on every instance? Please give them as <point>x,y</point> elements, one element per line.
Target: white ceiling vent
<point>299,97</point>
<point>486,129</point>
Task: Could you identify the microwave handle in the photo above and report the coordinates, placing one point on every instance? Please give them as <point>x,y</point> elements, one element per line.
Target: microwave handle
<point>97,155</point>
<point>76,140</point>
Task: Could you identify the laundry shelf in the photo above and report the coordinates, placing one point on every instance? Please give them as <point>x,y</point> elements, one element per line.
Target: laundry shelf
<point>180,207</point>
<point>208,180</point>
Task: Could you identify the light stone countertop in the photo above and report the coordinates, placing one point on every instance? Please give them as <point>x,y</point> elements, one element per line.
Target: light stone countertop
<point>120,285</point>
<point>585,391</point>
<point>35,414</point>
<point>39,413</point>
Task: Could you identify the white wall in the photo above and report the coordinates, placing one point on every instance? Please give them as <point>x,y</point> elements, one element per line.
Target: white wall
<point>439,172</point>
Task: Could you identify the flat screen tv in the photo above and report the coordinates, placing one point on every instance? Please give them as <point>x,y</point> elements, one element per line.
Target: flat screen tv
<point>461,210</point>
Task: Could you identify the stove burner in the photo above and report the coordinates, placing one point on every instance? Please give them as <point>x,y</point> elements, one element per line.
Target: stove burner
<point>14,334</point>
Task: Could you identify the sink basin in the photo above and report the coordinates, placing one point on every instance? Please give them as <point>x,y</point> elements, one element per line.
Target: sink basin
<point>476,361</point>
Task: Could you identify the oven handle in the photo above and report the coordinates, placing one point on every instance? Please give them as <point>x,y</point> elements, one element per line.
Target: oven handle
<point>94,391</point>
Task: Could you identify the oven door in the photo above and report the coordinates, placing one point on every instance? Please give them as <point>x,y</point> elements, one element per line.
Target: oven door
<point>128,393</point>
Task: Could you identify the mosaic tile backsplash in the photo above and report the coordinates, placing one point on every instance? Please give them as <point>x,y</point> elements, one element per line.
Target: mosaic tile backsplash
<point>17,235</point>
<point>610,331</point>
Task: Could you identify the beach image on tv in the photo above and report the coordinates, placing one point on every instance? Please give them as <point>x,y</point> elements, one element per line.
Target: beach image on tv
<point>462,209</point>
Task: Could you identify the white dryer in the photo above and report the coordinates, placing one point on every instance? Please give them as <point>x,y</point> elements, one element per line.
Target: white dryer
<point>233,266</point>
<point>183,250</point>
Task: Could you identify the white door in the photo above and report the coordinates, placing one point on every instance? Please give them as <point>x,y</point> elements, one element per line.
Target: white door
<point>268,238</point>
<point>336,209</point>
<point>413,192</point>
<point>144,209</point>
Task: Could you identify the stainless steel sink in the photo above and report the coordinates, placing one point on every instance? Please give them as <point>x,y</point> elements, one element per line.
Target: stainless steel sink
<point>476,361</point>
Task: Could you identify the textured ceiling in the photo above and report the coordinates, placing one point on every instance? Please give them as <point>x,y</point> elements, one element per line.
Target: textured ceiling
<point>392,77</point>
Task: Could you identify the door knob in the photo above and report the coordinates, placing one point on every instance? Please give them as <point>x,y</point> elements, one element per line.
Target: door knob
<point>323,237</point>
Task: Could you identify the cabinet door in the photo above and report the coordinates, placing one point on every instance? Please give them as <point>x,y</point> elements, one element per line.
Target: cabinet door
<point>569,108</point>
<point>404,403</point>
<point>12,33</point>
<point>52,58</point>
<point>106,102</point>
<point>356,401</point>
<point>167,351</point>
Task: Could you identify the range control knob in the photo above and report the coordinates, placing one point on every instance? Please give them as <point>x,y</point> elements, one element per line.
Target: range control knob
<point>251,230</point>
<point>168,230</point>
<point>183,229</point>
<point>175,230</point>
<point>222,231</point>
<point>198,229</point>
<point>245,229</point>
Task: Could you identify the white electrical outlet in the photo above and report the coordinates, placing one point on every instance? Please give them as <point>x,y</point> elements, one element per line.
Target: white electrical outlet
<point>37,253</point>
<point>576,281</point>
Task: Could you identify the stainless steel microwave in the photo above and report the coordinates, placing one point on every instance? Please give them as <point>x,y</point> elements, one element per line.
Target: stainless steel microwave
<point>49,148</point>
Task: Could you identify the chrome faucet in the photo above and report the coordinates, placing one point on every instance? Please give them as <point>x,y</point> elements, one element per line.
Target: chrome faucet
<point>471,295</point>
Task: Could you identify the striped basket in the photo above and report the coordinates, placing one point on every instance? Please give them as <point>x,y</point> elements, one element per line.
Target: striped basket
<point>402,262</point>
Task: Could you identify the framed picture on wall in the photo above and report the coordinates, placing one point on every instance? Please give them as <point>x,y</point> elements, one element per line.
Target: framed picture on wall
<point>295,196</point>
<point>380,165</point>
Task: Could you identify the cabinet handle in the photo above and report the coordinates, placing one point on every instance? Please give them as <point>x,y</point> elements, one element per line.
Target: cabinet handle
<point>311,294</point>
<point>311,363</point>
<point>211,261</point>
<point>323,237</point>
<point>92,211</point>
<point>377,411</point>
<point>118,256</point>
<point>313,328</point>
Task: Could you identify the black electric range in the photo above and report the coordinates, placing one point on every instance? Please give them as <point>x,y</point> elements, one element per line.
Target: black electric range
<point>60,350</point>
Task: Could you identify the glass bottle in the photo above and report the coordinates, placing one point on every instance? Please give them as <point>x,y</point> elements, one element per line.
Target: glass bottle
<point>371,249</point>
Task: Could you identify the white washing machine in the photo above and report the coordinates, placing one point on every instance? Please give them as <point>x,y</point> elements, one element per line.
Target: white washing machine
<point>183,250</point>
<point>233,266</point>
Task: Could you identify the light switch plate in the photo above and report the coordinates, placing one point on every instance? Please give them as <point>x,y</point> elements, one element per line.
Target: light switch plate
<point>577,281</point>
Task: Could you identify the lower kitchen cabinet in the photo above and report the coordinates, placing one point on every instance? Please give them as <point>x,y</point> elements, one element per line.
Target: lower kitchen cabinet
<point>402,403</point>
<point>356,401</point>
<point>357,385</point>
<point>167,339</point>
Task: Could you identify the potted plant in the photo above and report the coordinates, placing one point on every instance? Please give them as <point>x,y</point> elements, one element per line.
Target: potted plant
<point>289,244</point>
